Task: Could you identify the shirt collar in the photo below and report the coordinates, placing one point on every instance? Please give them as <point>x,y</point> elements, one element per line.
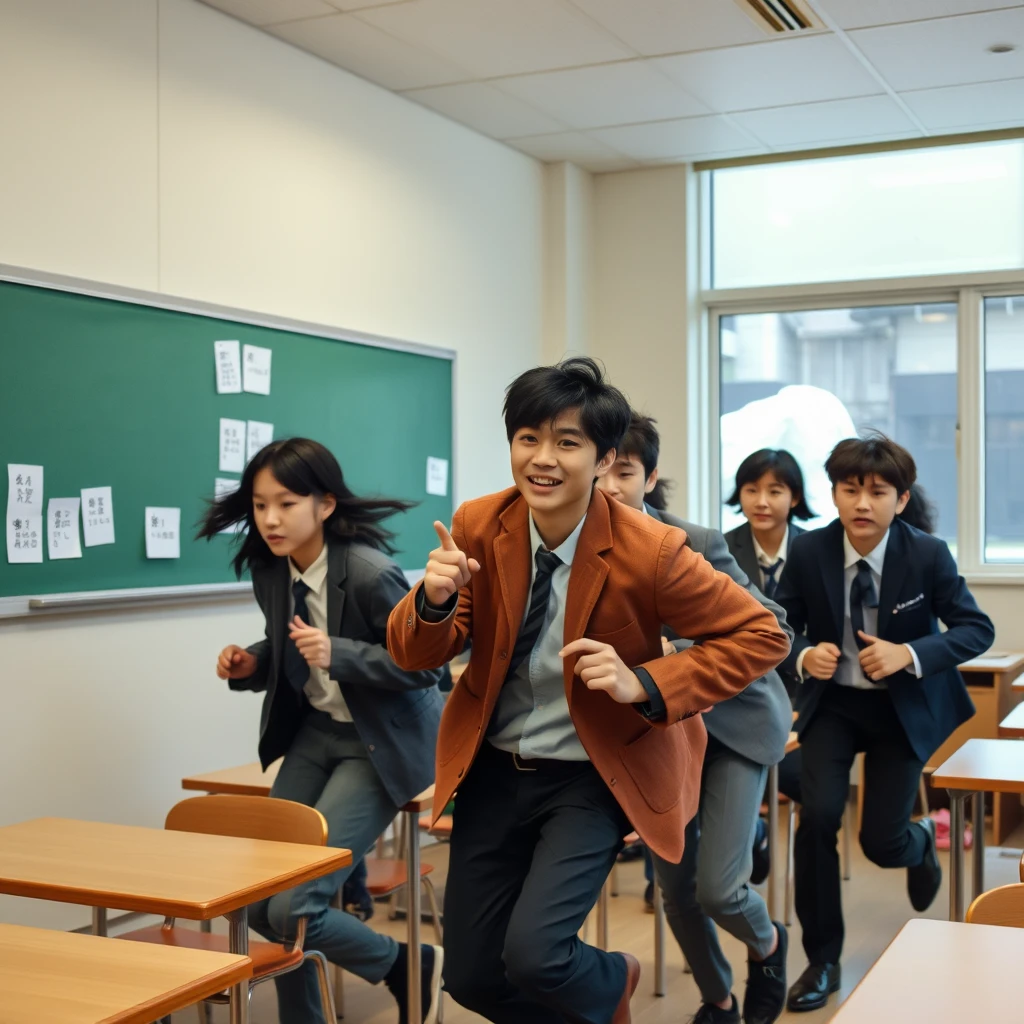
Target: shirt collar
<point>315,575</point>
<point>762,558</point>
<point>565,551</point>
<point>875,558</point>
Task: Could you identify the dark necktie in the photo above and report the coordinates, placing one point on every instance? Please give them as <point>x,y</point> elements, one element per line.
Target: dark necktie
<point>296,668</point>
<point>771,584</point>
<point>862,595</point>
<point>529,631</point>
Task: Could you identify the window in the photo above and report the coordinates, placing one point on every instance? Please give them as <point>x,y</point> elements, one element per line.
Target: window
<point>916,212</point>
<point>804,380</point>
<point>1004,429</point>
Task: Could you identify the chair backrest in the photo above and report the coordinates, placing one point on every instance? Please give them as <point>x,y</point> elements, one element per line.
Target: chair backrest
<point>1022,867</point>
<point>250,817</point>
<point>1004,906</point>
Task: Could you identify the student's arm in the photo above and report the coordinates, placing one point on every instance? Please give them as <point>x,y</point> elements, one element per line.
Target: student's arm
<point>365,663</point>
<point>740,639</point>
<point>969,630</point>
<point>260,650</point>
<point>420,636</point>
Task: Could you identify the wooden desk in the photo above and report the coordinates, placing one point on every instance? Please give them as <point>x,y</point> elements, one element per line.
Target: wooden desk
<point>990,682</point>
<point>1012,726</point>
<point>156,871</point>
<point>941,972</point>
<point>250,779</point>
<point>978,767</point>
<point>63,978</point>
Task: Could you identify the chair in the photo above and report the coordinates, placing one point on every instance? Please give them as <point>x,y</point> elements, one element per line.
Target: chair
<point>248,817</point>
<point>385,877</point>
<point>1021,871</point>
<point>1002,906</point>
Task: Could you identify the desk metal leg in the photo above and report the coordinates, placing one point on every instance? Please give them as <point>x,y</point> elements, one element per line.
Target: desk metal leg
<point>238,943</point>
<point>602,917</point>
<point>659,940</point>
<point>956,853</point>
<point>412,835</point>
<point>978,860</point>
<point>99,920</point>
<point>773,836</point>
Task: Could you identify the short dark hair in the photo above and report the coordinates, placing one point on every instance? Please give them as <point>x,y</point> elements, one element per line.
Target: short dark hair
<point>540,395</point>
<point>874,455</point>
<point>643,441</point>
<point>920,511</point>
<point>783,467</point>
<point>304,467</point>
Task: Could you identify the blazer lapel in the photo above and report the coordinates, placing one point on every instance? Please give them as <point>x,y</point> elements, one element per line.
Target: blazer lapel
<point>746,556</point>
<point>512,558</point>
<point>280,581</point>
<point>894,572</point>
<point>589,571</point>
<point>833,575</point>
<point>337,570</point>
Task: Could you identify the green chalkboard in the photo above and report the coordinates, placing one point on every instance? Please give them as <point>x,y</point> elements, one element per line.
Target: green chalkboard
<point>103,392</point>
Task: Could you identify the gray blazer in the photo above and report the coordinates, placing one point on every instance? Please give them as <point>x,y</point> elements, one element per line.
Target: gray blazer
<point>741,544</point>
<point>396,713</point>
<point>756,722</point>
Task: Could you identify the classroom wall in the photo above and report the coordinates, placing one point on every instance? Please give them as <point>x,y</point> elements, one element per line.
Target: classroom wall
<point>159,144</point>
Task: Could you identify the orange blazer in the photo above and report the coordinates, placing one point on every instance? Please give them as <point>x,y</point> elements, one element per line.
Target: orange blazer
<point>630,575</point>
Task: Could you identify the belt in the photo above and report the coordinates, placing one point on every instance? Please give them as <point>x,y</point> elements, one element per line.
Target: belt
<point>549,765</point>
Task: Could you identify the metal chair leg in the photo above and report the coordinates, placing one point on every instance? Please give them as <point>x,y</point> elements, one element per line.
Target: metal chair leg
<point>602,916</point>
<point>659,940</point>
<point>614,877</point>
<point>435,913</point>
<point>790,864</point>
<point>922,795</point>
<point>339,974</point>
<point>326,991</point>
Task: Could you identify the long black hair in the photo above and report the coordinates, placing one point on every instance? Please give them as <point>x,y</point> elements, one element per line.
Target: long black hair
<point>920,510</point>
<point>304,467</point>
<point>643,441</point>
<point>783,467</point>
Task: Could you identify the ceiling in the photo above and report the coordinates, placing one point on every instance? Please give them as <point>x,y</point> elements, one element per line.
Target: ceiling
<point>615,84</point>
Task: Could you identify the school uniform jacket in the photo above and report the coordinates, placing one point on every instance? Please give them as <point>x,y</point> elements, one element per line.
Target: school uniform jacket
<point>756,722</point>
<point>396,713</point>
<point>920,586</point>
<point>741,544</point>
<point>630,574</point>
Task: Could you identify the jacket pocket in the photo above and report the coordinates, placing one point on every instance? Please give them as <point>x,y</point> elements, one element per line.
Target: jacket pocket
<point>658,761</point>
<point>627,637</point>
<point>417,709</point>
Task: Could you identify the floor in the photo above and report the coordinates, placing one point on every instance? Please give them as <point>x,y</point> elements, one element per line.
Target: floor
<point>875,904</point>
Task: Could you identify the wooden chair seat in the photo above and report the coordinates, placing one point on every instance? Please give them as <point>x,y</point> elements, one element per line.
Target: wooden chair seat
<point>267,957</point>
<point>1002,906</point>
<point>384,876</point>
<point>631,838</point>
<point>442,829</point>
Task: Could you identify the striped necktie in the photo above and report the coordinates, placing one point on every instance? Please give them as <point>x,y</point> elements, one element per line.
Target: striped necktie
<point>862,595</point>
<point>771,584</point>
<point>547,563</point>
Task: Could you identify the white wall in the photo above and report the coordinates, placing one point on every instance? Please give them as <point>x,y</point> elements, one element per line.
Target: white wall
<point>158,144</point>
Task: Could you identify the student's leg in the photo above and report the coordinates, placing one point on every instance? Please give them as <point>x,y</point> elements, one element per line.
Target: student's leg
<point>693,929</point>
<point>892,773</point>
<point>829,745</point>
<point>790,768</point>
<point>490,854</point>
<point>357,809</point>
<point>580,833</point>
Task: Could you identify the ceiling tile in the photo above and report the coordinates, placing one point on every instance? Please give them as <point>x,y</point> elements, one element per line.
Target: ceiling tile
<point>492,38</point>
<point>773,74</point>
<point>869,117</point>
<point>860,13</point>
<point>951,51</point>
<point>271,12</point>
<point>606,94</point>
<point>690,139</point>
<point>673,26</point>
<point>484,108</point>
<point>576,148</point>
<point>985,105</point>
<point>364,50</point>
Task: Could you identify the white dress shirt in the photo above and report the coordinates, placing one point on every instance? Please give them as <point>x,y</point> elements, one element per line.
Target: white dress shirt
<point>766,563</point>
<point>849,671</point>
<point>323,692</point>
<point>532,716</point>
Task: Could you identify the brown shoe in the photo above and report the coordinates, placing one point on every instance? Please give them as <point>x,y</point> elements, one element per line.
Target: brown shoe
<point>622,1014</point>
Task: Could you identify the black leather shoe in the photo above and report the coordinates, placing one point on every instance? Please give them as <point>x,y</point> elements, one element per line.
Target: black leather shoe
<point>711,1014</point>
<point>813,987</point>
<point>924,880</point>
<point>765,998</point>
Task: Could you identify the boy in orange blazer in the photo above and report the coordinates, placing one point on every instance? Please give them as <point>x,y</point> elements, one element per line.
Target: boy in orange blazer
<point>569,727</point>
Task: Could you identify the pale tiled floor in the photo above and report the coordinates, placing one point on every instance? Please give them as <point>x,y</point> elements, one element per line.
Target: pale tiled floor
<point>875,905</point>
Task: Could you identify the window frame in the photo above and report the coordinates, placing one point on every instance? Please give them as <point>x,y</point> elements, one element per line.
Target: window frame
<point>968,291</point>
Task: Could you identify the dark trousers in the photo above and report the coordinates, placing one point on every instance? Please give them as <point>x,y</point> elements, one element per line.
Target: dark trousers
<point>530,851</point>
<point>846,722</point>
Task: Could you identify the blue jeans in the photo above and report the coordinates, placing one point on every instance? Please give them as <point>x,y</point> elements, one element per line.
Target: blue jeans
<point>328,768</point>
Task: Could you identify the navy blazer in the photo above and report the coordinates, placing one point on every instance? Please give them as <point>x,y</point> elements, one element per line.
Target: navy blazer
<point>396,713</point>
<point>920,586</point>
<point>741,544</point>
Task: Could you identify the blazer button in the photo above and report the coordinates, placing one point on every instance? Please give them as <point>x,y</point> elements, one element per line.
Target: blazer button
<point>461,770</point>
<point>611,782</point>
<point>408,622</point>
<point>371,748</point>
<point>503,655</point>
